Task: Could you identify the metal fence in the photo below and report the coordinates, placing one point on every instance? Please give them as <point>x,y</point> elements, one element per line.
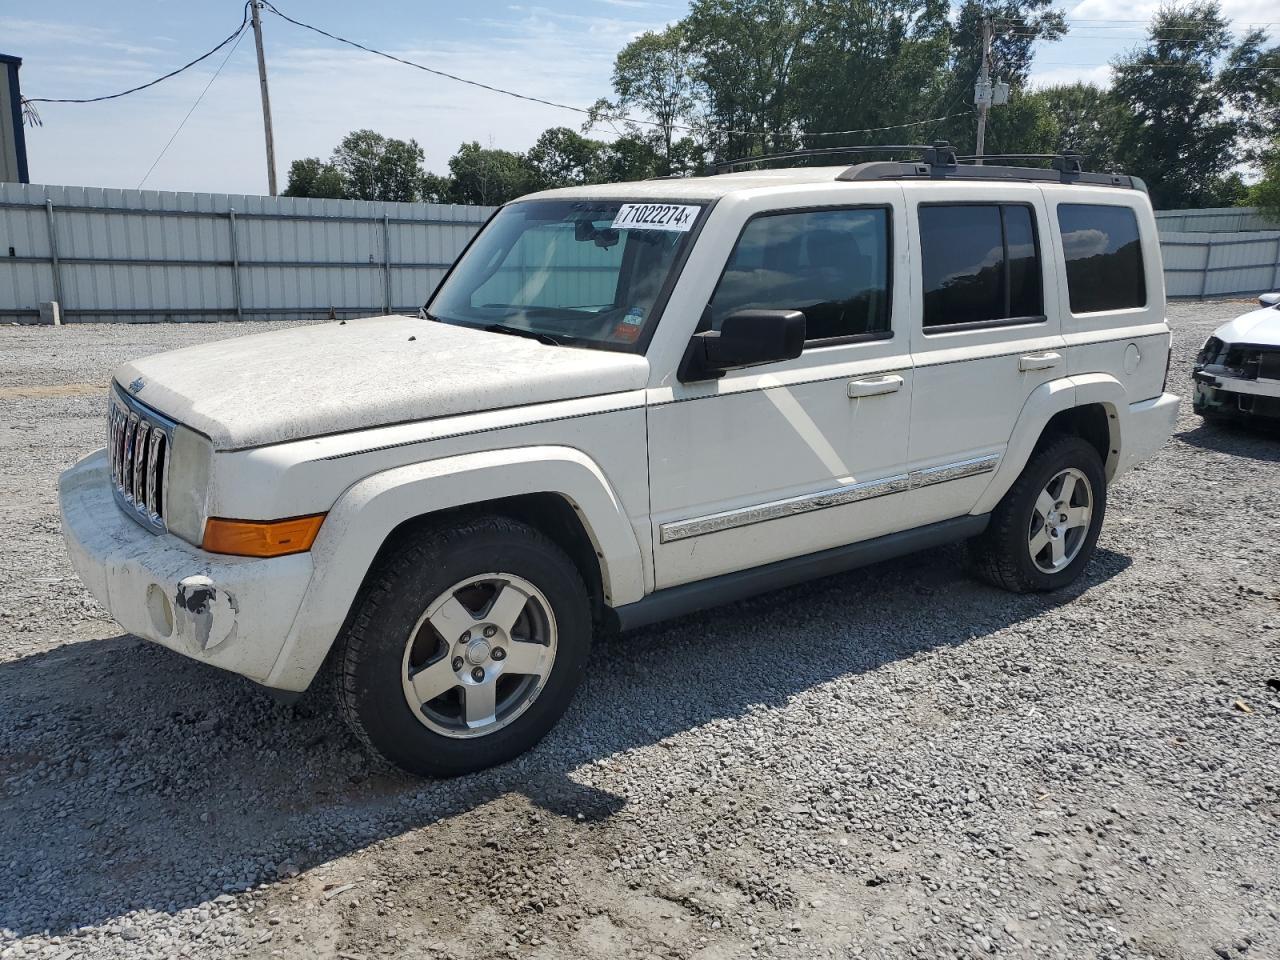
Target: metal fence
<point>145,255</point>
<point>1214,220</point>
<point>140,255</point>
<point>1220,264</point>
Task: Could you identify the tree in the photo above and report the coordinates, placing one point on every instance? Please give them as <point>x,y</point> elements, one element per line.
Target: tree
<point>632,156</point>
<point>1017,24</point>
<point>1250,83</point>
<point>488,176</point>
<point>654,73</point>
<point>312,177</point>
<point>1085,118</point>
<point>1178,137</point>
<point>562,157</point>
<point>747,51</point>
<point>375,167</point>
<point>863,70</point>
<point>1265,194</point>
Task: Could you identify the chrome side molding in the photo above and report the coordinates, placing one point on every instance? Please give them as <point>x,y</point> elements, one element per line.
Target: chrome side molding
<point>823,499</point>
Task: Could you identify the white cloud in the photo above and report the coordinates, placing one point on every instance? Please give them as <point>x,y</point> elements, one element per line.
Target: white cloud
<point>1052,76</point>
<point>1239,12</point>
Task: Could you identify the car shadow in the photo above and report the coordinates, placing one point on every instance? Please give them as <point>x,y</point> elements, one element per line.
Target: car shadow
<point>134,778</point>
<point>1255,439</point>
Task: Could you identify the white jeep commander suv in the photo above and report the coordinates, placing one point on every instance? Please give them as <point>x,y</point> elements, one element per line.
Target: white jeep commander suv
<point>623,403</point>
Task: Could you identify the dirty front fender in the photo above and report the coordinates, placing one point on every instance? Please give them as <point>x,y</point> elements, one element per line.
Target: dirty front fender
<point>367,513</point>
<point>231,612</point>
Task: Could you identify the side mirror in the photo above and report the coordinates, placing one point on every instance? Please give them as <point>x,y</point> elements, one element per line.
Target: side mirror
<point>1269,299</point>
<point>745,339</point>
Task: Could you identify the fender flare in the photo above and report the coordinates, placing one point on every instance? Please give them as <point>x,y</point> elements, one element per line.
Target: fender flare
<point>1041,406</point>
<point>366,514</point>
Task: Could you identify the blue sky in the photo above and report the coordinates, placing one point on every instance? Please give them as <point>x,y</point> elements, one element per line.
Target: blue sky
<point>561,50</point>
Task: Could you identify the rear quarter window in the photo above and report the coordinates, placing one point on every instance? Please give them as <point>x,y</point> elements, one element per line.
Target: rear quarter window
<point>1103,254</point>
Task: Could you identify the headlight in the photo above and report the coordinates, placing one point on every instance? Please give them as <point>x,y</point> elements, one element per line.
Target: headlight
<point>1210,353</point>
<point>188,485</point>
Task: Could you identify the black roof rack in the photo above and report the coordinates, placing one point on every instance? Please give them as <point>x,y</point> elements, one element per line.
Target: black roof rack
<point>728,166</point>
<point>938,161</point>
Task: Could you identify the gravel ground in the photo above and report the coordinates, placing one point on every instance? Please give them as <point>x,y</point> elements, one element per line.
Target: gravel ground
<point>896,762</point>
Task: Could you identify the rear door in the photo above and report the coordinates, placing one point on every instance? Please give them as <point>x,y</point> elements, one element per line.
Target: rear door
<point>985,333</point>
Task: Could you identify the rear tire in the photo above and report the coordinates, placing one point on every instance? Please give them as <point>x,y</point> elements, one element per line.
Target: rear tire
<point>464,647</point>
<point>1043,532</point>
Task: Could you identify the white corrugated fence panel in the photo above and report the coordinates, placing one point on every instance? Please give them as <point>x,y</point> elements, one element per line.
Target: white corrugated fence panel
<point>155,255</point>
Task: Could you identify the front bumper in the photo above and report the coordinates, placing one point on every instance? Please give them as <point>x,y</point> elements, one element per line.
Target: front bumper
<point>232,612</point>
<point>1216,393</point>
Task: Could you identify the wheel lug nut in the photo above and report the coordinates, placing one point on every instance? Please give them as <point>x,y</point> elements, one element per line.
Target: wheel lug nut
<point>490,630</point>
<point>498,653</point>
<point>465,637</point>
<point>457,663</point>
<point>477,674</point>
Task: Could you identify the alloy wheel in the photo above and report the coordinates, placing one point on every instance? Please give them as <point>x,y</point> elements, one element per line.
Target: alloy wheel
<point>479,656</point>
<point>1060,520</point>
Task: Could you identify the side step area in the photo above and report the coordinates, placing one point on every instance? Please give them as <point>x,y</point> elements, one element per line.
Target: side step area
<point>731,587</point>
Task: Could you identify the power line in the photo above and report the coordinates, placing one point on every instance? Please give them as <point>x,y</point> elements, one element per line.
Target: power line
<point>1161,66</point>
<point>151,83</point>
<point>583,110</point>
<point>1147,22</point>
<point>165,149</point>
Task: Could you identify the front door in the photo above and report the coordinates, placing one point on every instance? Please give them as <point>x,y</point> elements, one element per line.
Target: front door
<point>789,458</point>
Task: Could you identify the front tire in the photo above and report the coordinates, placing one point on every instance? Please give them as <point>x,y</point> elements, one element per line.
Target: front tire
<point>1043,532</point>
<point>464,648</point>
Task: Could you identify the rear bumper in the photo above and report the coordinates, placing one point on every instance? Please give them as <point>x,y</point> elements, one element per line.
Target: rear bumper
<point>1148,425</point>
<point>231,612</point>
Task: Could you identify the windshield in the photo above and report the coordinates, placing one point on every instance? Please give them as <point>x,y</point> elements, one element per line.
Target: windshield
<point>579,272</point>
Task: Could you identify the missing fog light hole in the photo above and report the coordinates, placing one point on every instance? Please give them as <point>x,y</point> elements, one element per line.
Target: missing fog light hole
<point>161,611</point>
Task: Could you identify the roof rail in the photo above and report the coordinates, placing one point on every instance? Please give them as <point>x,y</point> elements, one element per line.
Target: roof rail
<point>728,166</point>
<point>1068,161</point>
<point>938,161</point>
<point>1064,167</point>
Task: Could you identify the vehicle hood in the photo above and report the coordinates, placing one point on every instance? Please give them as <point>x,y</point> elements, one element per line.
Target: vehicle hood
<point>1260,327</point>
<point>334,377</point>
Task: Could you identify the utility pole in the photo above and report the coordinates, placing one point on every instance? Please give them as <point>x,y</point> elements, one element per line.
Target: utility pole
<point>266,98</point>
<point>982,94</point>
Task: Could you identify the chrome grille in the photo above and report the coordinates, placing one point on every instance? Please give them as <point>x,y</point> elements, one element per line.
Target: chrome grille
<point>139,442</point>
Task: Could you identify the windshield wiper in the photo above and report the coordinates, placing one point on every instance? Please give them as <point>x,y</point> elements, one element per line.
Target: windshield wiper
<point>530,334</point>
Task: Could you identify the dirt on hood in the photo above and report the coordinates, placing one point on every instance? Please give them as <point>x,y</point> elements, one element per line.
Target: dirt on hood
<point>334,377</point>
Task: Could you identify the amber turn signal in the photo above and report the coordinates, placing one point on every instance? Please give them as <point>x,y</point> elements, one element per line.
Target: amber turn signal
<point>261,538</point>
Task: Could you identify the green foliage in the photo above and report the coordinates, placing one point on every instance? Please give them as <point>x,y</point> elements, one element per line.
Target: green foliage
<point>364,166</point>
<point>747,51</point>
<point>312,177</point>
<point>563,158</point>
<point>654,73</point>
<point>375,167</point>
<point>1187,111</point>
<point>1085,118</point>
<point>1265,194</point>
<point>487,176</point>
<point>1021,24</point>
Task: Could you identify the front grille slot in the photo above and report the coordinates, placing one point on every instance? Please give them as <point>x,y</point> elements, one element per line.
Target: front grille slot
<point>138,444</point>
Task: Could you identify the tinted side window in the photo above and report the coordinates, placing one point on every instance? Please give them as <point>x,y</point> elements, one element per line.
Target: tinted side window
<point>1025,297</point>
<point>979,264</point>
<point>832,265</point>
<point>1104,257</point>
